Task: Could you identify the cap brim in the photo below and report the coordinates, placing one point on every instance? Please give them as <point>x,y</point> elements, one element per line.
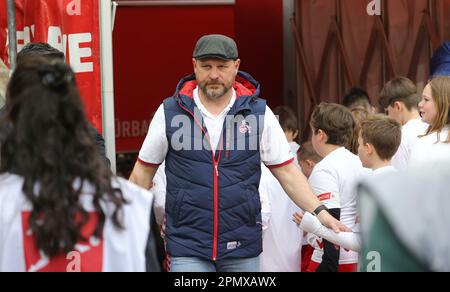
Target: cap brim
<point>212,56</point>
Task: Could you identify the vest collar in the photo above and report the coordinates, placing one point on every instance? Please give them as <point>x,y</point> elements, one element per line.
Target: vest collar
<point>247,89</point>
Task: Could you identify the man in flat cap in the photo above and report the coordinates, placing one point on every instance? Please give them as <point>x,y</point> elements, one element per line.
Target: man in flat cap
<point>213,134</point>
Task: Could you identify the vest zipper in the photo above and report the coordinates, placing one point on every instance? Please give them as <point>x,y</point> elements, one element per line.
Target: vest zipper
<point>216,182</point>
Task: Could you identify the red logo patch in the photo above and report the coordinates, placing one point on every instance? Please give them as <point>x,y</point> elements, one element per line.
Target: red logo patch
<point>324,197</point>
<point>87,256</point>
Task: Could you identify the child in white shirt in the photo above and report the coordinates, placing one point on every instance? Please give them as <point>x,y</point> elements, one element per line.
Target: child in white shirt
<point>333,180</point>
<point>378,139</point>
<point>399,98</point>
<point>282,243</point>
<point>308,159</point>
<point>434,109</point>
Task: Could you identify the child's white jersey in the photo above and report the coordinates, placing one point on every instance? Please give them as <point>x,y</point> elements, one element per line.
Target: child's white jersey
<point>334,181</point>
<point>384,170</point>
<point>410,135</point>
<point>118,250</point>
<point>282,241</point>
<point>431,148</point>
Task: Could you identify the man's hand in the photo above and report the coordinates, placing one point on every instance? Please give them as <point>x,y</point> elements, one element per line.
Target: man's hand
<point>329,221</point>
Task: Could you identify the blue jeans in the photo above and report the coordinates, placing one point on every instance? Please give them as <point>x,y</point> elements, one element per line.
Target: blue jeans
<point>185,265</point>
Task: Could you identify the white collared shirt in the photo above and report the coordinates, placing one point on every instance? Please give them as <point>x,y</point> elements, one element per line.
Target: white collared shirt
<point>214,123</point>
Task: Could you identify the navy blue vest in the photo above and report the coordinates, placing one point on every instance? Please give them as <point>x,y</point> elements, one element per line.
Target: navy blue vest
<point>213,205</point>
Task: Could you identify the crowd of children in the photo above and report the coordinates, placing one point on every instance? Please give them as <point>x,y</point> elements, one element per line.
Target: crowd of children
<point>413,132</point>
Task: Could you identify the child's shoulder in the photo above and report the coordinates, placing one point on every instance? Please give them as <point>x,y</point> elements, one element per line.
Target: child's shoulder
<point>339,157</point>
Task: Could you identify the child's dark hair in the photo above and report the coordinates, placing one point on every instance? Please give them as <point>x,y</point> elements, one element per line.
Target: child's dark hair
<point>336,121</point>
<point>307,152</point>
<point>399,89</point>
<point>287,118</point>
<point>49,145</point>
<point>356,97</point>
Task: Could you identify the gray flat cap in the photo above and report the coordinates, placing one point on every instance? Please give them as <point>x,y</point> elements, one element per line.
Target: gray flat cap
<point>216,46</point>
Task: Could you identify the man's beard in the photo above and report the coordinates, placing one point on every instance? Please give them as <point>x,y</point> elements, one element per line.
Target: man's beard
<point>214,94</point>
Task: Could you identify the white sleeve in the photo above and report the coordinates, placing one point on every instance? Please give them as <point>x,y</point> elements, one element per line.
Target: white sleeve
<point>313,240</point>
<point>159,191</point>
<point>326,187</point>
<point>275,150</point>
<point>266,207</point>
<point>156,146</point>
<point>347,240</point>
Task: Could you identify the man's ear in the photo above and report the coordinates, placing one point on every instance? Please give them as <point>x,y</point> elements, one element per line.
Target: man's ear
<point>310,163</point>
<point>237,64</point>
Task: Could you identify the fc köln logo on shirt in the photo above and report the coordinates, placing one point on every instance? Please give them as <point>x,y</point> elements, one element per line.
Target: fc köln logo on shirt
<point>87,256</point>
<point>245,128</point>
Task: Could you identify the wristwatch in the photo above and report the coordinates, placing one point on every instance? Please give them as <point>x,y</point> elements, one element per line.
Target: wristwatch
<point>320,209</point>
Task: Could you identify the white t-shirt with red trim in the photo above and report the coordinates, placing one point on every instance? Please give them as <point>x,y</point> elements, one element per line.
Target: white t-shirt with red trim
<point>334,181</point>
<point>118,250</point>
<point>275,150</point>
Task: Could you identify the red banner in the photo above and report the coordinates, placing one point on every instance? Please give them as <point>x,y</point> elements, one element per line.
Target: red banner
<point>71,26</point>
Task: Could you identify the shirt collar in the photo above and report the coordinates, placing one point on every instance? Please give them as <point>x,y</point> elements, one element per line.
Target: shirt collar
<point>203,109</point>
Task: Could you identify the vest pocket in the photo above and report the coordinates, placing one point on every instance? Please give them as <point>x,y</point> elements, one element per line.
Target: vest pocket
<point>254,206</point>
<point>177,207</point>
